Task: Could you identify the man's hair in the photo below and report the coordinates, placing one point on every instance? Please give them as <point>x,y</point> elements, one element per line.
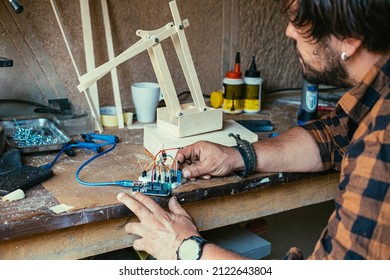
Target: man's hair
<point>362,19</point>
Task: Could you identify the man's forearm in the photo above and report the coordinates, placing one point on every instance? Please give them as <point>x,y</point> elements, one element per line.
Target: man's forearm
<point>214,252</point>
<point>292,151</point>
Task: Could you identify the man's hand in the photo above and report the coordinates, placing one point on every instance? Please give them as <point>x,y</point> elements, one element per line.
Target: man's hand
<point>205,159</point>
<point>160,232</point>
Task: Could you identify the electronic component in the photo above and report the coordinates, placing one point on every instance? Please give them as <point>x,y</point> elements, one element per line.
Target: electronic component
<point>172,177</point>
<point>158,175</point>
<point>156,188</point>
<point>158,185</point>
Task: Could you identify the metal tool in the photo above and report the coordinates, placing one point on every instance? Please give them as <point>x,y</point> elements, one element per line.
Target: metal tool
<point>89,144</point>
<point>69,147</point>
<point>102,137</point>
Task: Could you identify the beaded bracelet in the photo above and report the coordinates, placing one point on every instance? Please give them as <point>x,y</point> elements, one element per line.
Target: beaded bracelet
<point>248,155</point>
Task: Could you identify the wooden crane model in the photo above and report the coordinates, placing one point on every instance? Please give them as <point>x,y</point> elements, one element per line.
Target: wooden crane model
<point>179,120</point>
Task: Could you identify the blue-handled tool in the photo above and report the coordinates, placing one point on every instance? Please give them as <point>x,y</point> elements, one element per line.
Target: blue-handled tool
<point>89,144</point>
<point>69,151</point>
<point>90,137</point>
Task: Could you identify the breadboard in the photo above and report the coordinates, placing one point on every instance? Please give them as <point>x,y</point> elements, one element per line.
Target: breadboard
<point>155,139</point>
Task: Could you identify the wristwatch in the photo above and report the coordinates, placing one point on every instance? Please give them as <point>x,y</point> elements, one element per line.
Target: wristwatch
<point>191,248</point>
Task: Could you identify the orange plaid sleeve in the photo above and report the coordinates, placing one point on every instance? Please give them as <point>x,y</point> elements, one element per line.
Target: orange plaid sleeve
<point>357,139</point>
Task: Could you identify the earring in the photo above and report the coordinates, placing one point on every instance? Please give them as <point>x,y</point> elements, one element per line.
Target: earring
<point>344,56</point>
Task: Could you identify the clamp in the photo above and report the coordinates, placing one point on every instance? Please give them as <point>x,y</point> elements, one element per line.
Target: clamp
<point>68,147</point>
<point>88,143</point>
<point>90,137</point>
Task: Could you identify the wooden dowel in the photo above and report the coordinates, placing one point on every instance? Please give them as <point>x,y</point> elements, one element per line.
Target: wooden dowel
<point>92,107</point>
<point>111,55</point>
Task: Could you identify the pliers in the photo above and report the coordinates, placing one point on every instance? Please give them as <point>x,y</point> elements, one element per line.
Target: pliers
<point>69,151</point>
<point>88,143</point>
<point>110,139</point>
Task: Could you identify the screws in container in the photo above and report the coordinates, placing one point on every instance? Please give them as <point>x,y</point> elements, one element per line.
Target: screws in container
<point>27,137</point>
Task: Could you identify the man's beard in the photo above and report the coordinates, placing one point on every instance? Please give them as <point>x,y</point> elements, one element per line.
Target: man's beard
<point>333,72</point>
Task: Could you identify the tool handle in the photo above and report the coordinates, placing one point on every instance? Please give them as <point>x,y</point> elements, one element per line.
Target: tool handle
<point>103,137</point>
<point>87,145</point>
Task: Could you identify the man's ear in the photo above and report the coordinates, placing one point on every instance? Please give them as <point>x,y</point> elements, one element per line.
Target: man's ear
<point>349,46</point>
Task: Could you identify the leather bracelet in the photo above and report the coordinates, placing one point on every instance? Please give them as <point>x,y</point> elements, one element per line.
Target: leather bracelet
<point>248,155</point>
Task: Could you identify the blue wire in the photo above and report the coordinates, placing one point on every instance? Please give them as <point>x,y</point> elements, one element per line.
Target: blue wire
<point>50,165</point>
<point>123,183</point>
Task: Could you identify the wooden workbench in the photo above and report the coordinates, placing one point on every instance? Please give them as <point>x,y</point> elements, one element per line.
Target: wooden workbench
<point>30,230</point>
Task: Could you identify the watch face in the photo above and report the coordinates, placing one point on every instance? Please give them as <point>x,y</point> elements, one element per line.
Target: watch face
<point>189,250</point>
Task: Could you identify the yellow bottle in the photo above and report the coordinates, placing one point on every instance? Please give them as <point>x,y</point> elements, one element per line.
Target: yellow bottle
<point>233,90</point>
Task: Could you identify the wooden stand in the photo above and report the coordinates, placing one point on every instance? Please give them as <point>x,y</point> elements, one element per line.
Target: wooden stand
<point>155,139</point>
<point>176,119</point>
<point>177,124</point>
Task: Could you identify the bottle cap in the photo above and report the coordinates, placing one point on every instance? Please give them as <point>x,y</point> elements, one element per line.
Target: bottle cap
<point>233,75</point>
<point>236,74</point>
<point>312,87</point>
<point>252,72</point>
<point>216,99</point>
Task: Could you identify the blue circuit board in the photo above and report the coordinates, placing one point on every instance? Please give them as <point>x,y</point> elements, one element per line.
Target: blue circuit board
<point>158,186</point>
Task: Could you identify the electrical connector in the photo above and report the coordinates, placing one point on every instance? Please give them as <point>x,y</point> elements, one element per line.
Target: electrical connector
<point>125,183</point>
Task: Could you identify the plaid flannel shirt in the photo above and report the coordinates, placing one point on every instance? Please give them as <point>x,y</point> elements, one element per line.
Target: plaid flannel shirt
<point>355,139</point>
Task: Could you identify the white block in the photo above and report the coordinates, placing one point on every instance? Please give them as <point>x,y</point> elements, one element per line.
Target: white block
<point>192,121</point>
<point>156,139</point>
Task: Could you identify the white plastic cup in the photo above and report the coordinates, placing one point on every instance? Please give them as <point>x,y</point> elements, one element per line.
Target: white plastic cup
<point>145,96</point>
